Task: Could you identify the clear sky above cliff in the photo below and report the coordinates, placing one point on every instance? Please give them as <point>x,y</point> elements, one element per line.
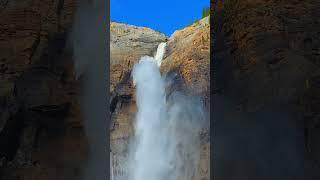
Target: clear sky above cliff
<point>165,16</point>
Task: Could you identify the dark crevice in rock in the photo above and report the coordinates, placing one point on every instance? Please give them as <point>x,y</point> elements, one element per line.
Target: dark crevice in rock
<point>10,136</point>
<point>59,8</point>
<point>113,104</point>
<point>55,111</point>
<point>35,144</point>
<point>3,4</point>
<point>118,100</point>
<point>123,82</point>
<point>126,98</point>
<point>34,47</point>
<point>114,99</point>
<point>57,44</point>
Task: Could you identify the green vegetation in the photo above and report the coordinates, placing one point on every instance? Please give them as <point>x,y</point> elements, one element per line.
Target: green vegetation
<point>192,22</point>
<point>205,13</point>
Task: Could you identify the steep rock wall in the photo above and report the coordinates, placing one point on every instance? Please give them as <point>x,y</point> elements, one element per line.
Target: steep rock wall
<point>41,132</point>
<point>188,60</point>
<point>266,66</point>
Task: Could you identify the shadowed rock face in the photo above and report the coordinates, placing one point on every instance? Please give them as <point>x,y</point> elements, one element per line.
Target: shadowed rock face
<point>41,132</point>
<point>266,63</point>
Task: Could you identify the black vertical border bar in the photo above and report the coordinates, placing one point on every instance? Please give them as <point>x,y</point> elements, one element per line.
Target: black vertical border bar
<point>107,74</point>
<point>212,6</point>
<point>92,18</point>
<point>215,28</point>
<point>212,2</point>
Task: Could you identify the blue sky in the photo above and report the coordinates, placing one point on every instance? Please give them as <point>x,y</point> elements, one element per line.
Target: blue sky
<point>165,16</point>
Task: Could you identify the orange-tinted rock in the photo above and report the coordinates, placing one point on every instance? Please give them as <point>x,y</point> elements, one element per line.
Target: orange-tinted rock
<point>188,55</point>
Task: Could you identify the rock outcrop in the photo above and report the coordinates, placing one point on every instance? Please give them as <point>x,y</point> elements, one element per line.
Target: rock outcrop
<point>128,44</point>
<point>266,63</point>
<point>188,55</point>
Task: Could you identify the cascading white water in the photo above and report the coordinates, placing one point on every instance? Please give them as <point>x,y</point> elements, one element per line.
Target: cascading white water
<point>149,162</point>
<point>160,53</point>
<point>111,167</point>
<point>164,128</point>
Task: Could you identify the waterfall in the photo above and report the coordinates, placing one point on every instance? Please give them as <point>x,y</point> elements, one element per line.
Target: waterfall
<point>160,53</point>
<point>111,167</point>
<point>148,160</point>
<point>166,143</point>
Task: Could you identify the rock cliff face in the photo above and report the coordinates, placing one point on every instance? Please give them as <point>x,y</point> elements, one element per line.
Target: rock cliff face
<point>128,44</point>
<point>188,59</point>
<point>188,55</point>
<point>266,63</point>
<point>41,134</point>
